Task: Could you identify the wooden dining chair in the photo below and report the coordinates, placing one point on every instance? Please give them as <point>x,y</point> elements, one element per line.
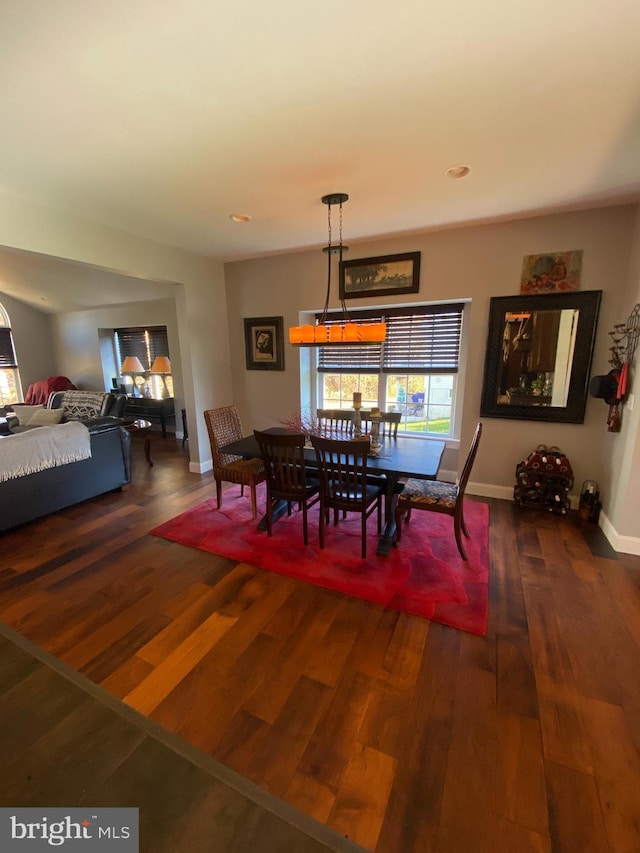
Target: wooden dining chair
<point>342,467</point>
<point>439,496</point>
<point>336,420</point>
<point>389,423</point>
<point>287,478</point>
<point>224,426</point>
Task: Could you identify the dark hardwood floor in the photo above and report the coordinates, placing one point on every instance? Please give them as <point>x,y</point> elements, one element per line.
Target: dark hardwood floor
<point>401,734</point>
<point>65,740</point>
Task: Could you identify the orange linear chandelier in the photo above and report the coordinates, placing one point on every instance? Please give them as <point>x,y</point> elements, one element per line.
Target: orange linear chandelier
<point>348,331</point>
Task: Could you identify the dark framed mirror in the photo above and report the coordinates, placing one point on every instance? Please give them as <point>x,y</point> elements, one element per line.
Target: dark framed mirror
<point>538,358</point>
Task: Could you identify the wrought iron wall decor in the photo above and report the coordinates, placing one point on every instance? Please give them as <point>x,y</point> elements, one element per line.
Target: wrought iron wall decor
<point>613,387</point>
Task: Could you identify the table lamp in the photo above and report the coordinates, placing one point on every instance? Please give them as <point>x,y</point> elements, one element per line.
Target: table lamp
<point>132,366</point>
<point>162,365</point>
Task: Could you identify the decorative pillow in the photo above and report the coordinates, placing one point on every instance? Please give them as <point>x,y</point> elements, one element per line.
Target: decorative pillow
<point>25,413</point>
<point>46,417</point>
<point>79,405</point>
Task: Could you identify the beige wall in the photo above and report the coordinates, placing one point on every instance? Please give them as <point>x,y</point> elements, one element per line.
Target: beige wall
<point>200,295</point>
<point>77,342</point>
<point>471,263</point>
<point>32,339</point>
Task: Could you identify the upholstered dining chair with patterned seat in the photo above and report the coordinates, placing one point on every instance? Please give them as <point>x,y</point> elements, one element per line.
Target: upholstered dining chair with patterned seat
<point>439,496</point>
<point>224,426</point>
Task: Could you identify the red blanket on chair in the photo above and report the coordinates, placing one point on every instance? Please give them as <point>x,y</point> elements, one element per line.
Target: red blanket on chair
<point>38,392</point>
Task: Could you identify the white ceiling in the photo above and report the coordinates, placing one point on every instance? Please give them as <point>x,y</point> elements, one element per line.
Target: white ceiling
<point>54,286</point>
<point>163,118</point>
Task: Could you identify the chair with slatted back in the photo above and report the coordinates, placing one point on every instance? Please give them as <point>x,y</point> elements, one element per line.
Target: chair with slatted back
<point>342,466</point>
<point>224,426</point>
<point>387,428</point>
<point>287,478</point>
<point>439,496</point>
<point>389,423</point>
<point>336,420</point>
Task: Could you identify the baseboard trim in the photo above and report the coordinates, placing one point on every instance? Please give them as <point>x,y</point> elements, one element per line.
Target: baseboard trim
<point>200,467</point>
<point>619,543</point>
<point>489,490</point>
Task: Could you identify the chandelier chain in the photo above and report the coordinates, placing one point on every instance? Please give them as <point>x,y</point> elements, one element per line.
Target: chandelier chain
<point>336,331</point>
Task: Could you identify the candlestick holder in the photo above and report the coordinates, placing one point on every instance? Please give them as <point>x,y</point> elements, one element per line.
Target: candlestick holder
<point>357,423</point>
<point>357,417</point>
<point>376,447</point>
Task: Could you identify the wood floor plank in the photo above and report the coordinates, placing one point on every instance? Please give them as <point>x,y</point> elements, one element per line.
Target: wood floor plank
<point>123,679</point>
<point>326,663</point>
<point>404,653</point>
<point>521,795</point>
<point>333,740</point>
<point>291,732</point>
<point>472,750</point>
<point>269,697</point>
<point>384,720</point>
<point>361,800</point>
<point>563,728</point>
<point>575,813</point>
<point>177,630</point>
<point>103,664</point>
<point>158,684</point>
<point>214,697</point>
<point>413,811</point>
<point>617,769</point>
<point>510,837</point>
<point>310,796</point>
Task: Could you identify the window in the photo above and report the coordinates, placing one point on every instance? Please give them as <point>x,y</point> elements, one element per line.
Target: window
<point>414,371</point>
<point>146,343</point>
<point>10,390</point>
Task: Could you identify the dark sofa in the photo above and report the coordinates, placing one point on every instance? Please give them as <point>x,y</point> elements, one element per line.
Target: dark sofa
<point>26,498</point>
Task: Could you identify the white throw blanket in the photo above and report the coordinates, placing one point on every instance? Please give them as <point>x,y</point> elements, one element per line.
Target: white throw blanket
<point>43,447</point>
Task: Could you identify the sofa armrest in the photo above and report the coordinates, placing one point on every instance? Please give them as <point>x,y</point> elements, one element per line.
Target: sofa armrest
<point>113,405</point>
<point>100,424</point>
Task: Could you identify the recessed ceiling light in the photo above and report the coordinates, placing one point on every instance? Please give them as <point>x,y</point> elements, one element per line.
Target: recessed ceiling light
<point>240,217</point>
<point>457,171</point>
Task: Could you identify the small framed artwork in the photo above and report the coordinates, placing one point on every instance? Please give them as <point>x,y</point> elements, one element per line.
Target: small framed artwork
<point>382,276</point>
<point>555,272</point>
<point>264,343</point>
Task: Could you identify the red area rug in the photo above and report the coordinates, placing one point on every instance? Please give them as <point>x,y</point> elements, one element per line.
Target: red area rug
<point>425,576</point>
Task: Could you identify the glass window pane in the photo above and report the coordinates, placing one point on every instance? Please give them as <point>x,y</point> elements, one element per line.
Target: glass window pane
<point>426,402</point>
<point>8,387</point>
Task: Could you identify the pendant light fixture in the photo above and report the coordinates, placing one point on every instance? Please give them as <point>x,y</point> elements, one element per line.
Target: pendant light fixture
<point>346,331</point>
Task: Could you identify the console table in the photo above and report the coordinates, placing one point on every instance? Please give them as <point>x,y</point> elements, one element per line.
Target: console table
<point>149,409</point>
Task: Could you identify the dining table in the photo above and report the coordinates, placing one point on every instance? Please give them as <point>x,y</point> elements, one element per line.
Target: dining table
<point>398,458</point>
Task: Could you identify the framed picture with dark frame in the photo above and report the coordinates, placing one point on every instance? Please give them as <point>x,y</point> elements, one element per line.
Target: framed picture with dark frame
<point>264,343</point>
<point>382,276</point>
